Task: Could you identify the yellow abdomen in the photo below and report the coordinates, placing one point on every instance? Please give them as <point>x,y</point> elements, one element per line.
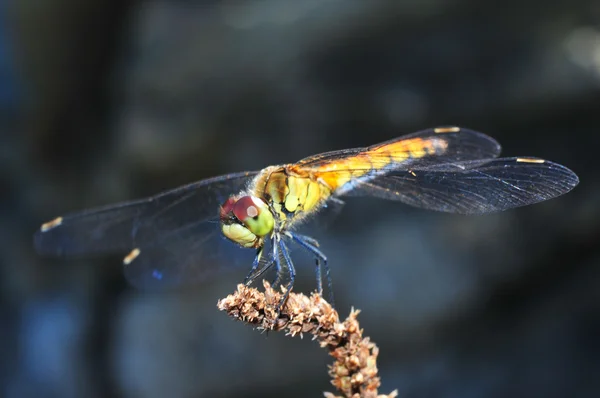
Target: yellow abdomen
<point>296,190</point>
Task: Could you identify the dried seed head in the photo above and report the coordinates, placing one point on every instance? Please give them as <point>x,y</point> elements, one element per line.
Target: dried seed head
<point>354,371</point>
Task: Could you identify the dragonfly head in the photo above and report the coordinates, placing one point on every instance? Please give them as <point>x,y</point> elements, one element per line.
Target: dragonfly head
<point>246,220</point>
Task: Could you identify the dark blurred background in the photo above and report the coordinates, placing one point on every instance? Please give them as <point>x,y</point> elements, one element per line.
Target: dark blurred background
<point>103,101</point>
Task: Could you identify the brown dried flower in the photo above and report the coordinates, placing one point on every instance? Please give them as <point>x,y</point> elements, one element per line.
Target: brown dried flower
<point>354,372</point>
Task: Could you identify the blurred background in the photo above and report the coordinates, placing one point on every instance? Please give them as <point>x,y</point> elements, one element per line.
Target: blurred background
<point>103,101</point>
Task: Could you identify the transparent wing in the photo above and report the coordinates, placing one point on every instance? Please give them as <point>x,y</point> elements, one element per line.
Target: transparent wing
<point>472,187</point>
<point>187,257</point>
<point>170,239</point>
<point>450,143</point>
<point>327,214</point>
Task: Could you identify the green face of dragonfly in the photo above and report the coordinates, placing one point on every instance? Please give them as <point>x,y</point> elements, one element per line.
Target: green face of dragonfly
<point>246,220</point>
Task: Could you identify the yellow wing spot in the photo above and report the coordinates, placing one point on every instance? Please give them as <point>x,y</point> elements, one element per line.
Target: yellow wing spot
<point>131,256</point>
<point>529,160</point>
<point>412,173</point>
<point>420,148</point>
<point>442,130</point>
<point>51,224</point>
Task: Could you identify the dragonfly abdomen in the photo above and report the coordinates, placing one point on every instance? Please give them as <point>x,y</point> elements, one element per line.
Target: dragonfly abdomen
<point>373,161</point>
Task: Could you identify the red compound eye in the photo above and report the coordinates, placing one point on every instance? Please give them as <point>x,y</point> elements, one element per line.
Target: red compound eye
<point>227,207</point>
<point>245,208</point>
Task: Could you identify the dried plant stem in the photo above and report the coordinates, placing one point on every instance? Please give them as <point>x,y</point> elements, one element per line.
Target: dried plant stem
<point>354,372</point>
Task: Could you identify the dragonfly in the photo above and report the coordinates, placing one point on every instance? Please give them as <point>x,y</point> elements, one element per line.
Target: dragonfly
<point>184,236</point>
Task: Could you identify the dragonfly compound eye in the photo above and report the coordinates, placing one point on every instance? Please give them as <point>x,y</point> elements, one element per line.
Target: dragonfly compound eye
<point>255,215</point>
<point>246,220</point>
<point>227,208</point>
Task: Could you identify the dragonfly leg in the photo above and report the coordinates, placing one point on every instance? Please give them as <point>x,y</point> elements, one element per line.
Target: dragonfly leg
<point>319,277</point>
<point>257,270</point>
<point>311,245</point>
<point>307,239</point>
<point>252,274</point>
<point>279,269</point>
<point>290,269</point>
<point>277,280</point>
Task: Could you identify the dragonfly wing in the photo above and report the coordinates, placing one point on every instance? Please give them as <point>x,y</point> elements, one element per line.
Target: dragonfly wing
<point>447,144</point>
<point>328,213</point>
<point>165,235</point>
<point>124,226</point>
<point>472,187</point>
<point>186,257</point>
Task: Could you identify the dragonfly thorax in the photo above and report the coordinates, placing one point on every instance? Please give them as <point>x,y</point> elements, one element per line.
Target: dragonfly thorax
<point>246,220</point>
